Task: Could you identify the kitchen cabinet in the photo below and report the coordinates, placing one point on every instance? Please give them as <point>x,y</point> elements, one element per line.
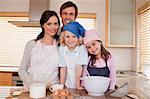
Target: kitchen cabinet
<point>9,76</point>
<point>120,23</point>
<point>6,78</point>
<point>10,79</point>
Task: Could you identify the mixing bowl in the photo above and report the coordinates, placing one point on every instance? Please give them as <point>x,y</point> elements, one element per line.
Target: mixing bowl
<point>96,85</point>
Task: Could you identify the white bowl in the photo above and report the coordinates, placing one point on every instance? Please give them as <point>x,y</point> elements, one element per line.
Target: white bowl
<point>96,85</point>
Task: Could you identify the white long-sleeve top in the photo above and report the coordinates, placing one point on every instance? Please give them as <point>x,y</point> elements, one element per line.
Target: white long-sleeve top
<point>39,59</point>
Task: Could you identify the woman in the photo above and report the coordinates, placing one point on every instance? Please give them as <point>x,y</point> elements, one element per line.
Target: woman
<point>101,62</point>
<point>40,55</point>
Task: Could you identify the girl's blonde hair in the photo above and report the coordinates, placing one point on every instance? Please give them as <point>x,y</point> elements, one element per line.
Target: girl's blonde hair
<point>62,40</point>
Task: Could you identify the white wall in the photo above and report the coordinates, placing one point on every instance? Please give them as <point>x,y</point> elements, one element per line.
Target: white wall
<point>14,5</point>
<point>122,56</point>
<point>87,6</point>
<point>125,57</point>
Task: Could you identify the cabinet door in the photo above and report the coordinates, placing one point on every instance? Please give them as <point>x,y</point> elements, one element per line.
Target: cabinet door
<point>121,23</point>
<point>5,79</point>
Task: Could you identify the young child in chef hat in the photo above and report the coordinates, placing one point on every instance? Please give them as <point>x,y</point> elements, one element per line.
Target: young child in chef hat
<point>100,61</point>
<point>73,55</point>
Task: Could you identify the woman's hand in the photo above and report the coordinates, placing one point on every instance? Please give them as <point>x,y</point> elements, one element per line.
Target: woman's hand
<point>25,89</point>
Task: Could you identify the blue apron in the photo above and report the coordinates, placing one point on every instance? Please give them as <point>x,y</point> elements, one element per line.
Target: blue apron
<point>94,71</point>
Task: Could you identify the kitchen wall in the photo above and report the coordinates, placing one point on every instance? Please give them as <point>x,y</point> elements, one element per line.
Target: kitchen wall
<point>125,57</point>
<point>14,5</point>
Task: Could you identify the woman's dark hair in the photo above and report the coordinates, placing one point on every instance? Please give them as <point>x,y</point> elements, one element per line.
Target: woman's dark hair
<point>104,54</point>
<point>67,5</point>
<point>44,18</point>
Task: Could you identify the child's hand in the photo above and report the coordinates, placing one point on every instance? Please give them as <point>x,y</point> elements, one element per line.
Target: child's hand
<point>107,93</point>
<point>80,88</point>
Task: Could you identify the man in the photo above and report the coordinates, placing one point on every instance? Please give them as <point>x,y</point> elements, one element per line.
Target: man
<point>68,12</point>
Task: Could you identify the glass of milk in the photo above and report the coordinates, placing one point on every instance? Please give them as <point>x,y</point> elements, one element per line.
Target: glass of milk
<point>37,87</point>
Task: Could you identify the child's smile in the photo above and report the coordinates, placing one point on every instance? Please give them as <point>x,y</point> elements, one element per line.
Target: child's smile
<point>71,40</point>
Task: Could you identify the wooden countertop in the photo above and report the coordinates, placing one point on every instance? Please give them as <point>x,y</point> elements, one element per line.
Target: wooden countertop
<point>74,94</point>
<point>138,86</point>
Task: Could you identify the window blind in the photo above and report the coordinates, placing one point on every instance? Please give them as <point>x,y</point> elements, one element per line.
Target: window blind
<point>144,41</point>
<point>13,39</point>
<point>88,23</point>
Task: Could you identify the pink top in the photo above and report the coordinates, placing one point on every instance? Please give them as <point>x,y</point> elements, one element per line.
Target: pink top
<point>112,67</point>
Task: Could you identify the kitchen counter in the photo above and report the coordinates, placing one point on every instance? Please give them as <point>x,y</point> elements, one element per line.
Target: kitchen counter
<point>138,87</point>
<point>74,94</point>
